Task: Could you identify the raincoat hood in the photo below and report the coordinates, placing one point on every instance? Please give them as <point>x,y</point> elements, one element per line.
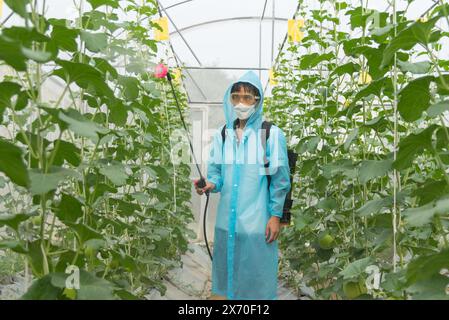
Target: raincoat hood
<point>255,120</point>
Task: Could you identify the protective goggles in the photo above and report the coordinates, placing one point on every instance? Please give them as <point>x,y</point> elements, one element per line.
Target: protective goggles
<point>246,98</point>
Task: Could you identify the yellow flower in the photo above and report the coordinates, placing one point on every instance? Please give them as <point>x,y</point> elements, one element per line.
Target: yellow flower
<point>177,75</point>
<point>365,78</point>
<point>272,76</point>
<point>158,34</point>
<point>294,32</point>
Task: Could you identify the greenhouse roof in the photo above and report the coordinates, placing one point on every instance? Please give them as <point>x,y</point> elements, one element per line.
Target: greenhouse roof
<point>216,41</point>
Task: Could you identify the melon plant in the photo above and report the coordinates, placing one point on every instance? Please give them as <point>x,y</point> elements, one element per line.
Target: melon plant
<point>363,99</point>
<point>88,186</point>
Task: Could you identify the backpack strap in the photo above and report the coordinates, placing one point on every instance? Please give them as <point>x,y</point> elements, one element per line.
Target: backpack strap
<point>223,130</point>
<point>223,133</point>
<point>266,127</point>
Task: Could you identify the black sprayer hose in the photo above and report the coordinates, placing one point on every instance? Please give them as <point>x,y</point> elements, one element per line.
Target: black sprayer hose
<point>204,226</point>
<point>202,182</point>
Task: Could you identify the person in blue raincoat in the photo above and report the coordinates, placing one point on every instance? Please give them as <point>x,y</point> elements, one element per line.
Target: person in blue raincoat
<point>245,252</point>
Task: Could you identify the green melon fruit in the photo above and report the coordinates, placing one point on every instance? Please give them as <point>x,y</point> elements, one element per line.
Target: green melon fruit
<point>36,220</point>
<point>353,289</point>
<point>326,241</point>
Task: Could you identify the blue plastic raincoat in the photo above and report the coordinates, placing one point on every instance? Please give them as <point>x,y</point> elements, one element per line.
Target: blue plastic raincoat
<point>244,265</point>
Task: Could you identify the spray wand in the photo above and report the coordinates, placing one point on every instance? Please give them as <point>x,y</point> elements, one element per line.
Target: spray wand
<point>162,71</point>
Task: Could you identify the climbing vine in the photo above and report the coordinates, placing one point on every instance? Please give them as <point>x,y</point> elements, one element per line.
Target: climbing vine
<point>88,182</point>
<point>366,109</point>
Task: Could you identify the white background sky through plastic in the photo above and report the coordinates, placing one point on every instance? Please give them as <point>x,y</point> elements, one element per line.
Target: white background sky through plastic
<point>228,44</point>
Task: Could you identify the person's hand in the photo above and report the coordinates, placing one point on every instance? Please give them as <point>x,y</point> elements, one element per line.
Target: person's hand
<point>273,228</point>
<point>209,187</point>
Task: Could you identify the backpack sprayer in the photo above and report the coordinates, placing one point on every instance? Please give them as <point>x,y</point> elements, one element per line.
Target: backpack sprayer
<point>292,157</point>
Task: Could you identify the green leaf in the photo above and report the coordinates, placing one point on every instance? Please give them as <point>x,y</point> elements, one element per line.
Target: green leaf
<point>125,208</point>
<point>105,67</point>
<point>70,258</point>
<point>118,112</point>
<point>84,232</point>
<point>441,82</point>
<point>25,36</point>
<point>11,53</point>
<point>358,17</point>
<point>65,38</point>
<point>327,204</point>
<point>13,220</point>
<point>415,68</point>
<point>430,190</point>
<point>348,68</point>
<point>311,60</point>
<point>36,257</point>
<point>370,169</point>
<point>42,183</point>
<point>374,206</point>
<point>356,268</point>
<point>413,145</point>
<point>377,87</point>
<point>69,209</point>
<point>69,152</point>
<point>82,126</point>
<point>130,87</point>
<point>378,124</point>
<point>85,76</point>
<point>301,222</point>
<point>18,6</point>
<point>90,286</point>
<point>308,144</point>
<point>13,245</point>
<point>116,173</point>
<point>38,56</point>
<point>95,42</point>
<point>417,33</point>
<point>7,91</point>
<point>11,163</point>
<point>433,288</point>
<point>98,3</point>
<point>417,217</point>
<point>426,266</point>
<point>343,167</point>
<point>414,98</point>
<point>42,289</point>
<point>95,244</point>
<point>438,108</point>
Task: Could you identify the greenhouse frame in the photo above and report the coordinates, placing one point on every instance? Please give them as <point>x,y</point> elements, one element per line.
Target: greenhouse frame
<point>117,118</point>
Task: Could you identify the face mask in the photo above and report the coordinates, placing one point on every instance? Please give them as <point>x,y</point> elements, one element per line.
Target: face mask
<point>244,112</point>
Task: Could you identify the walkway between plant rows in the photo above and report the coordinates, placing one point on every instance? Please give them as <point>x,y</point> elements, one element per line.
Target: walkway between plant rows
<point>192,281</point>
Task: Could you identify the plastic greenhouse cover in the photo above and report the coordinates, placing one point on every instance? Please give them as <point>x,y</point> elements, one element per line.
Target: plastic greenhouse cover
<point>225,34</point>
<point>235,43</point>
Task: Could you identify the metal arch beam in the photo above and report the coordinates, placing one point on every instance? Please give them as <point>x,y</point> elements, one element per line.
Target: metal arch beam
<point>260,36</point>
<point>178,4</point>
<point>179,31</point>
<point>282,46</point>
<point>178,60</point>
<point>249,18</point>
